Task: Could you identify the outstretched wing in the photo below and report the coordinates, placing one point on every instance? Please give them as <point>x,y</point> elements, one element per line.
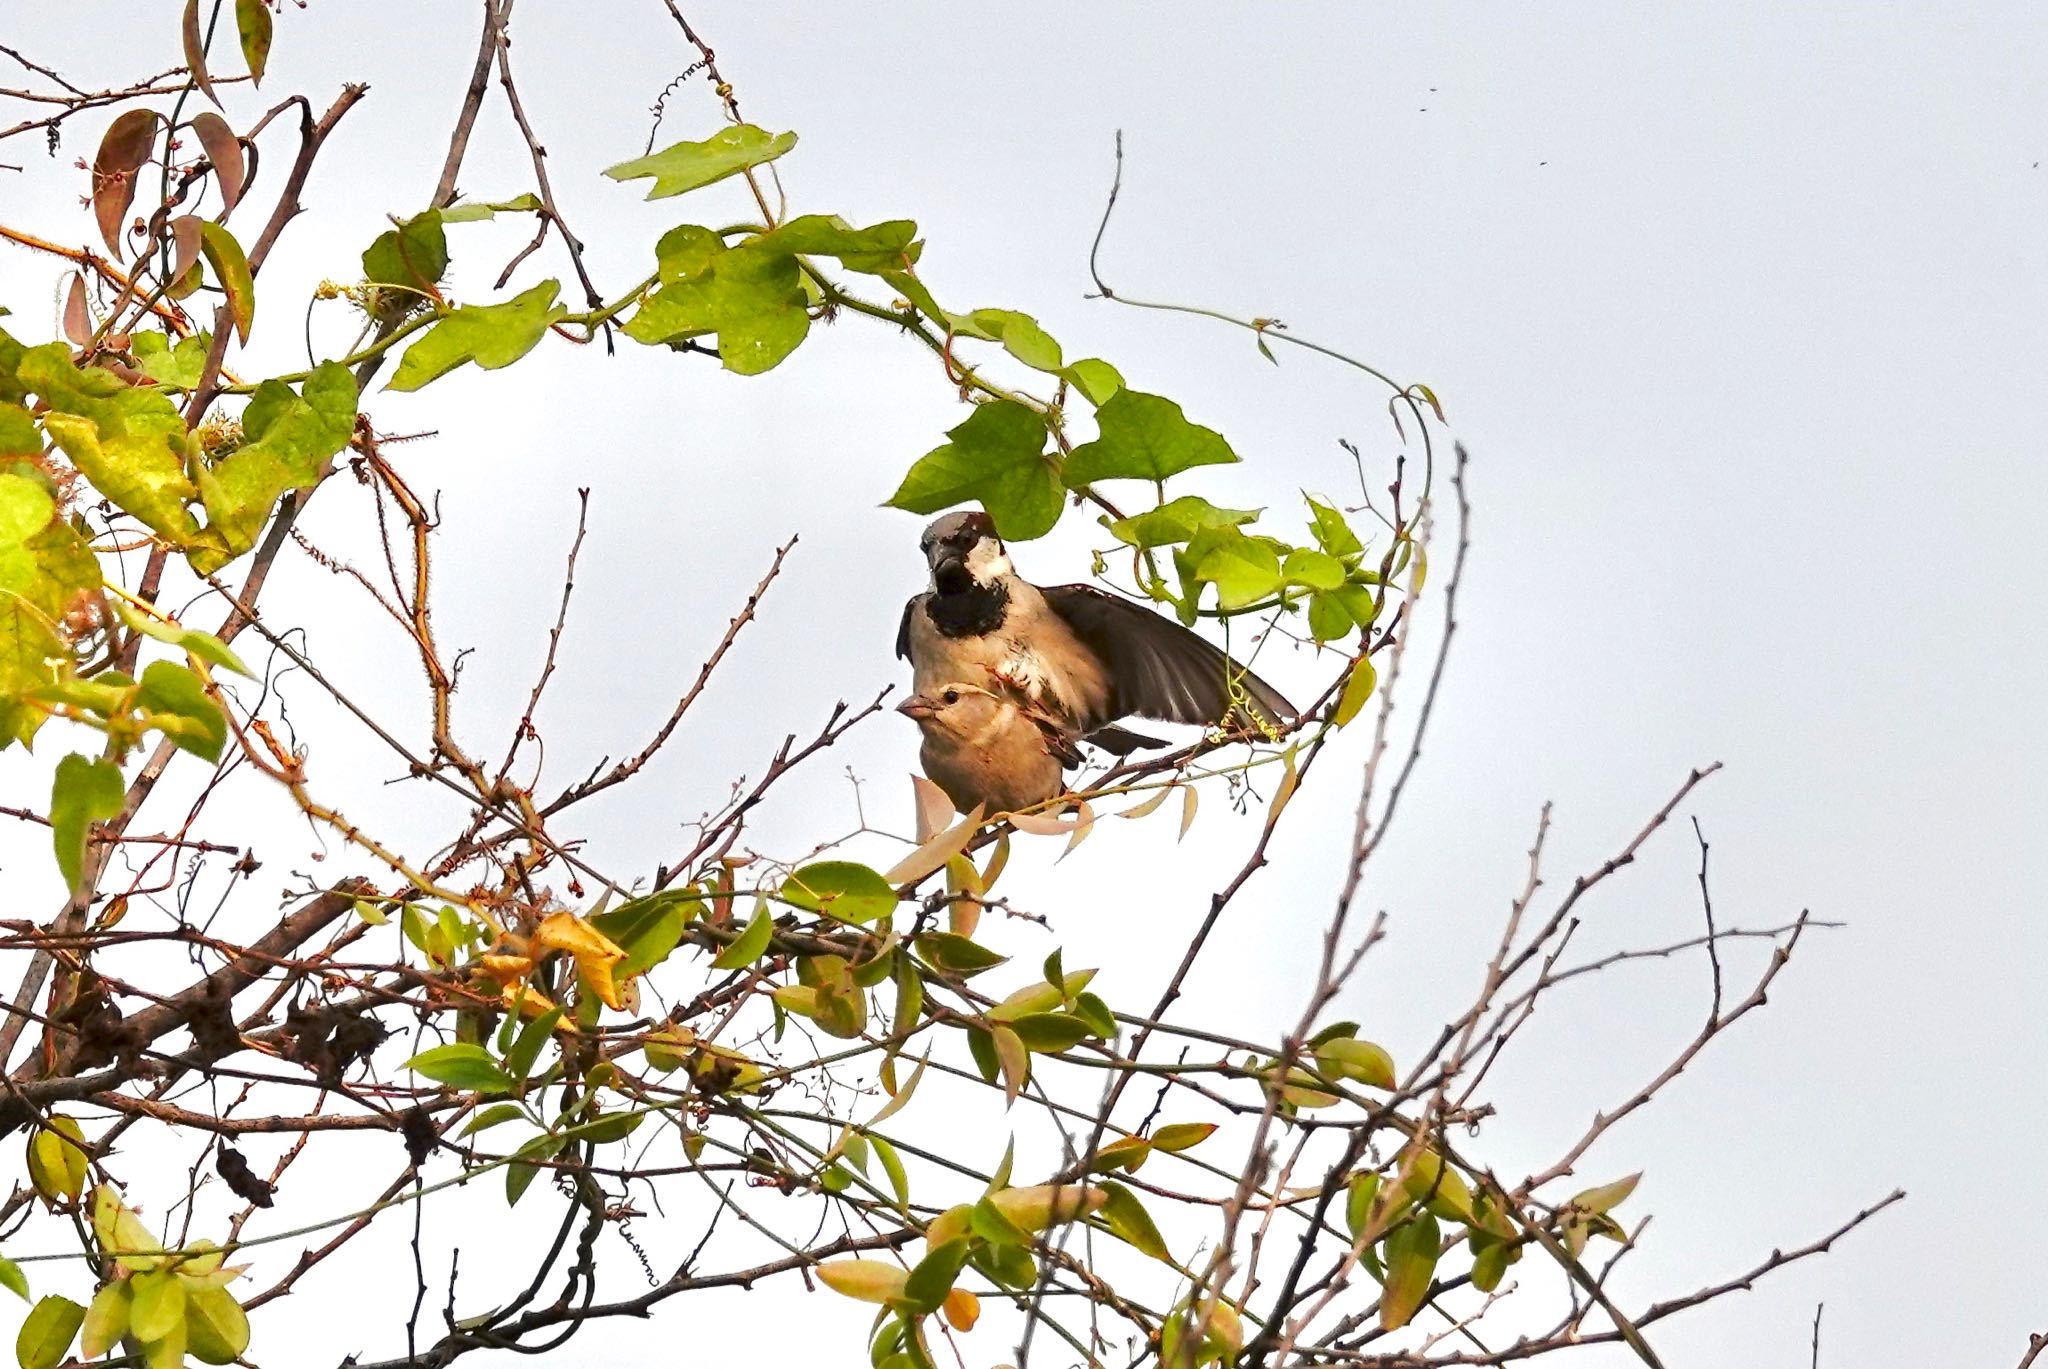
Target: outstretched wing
<point>1159,669</point>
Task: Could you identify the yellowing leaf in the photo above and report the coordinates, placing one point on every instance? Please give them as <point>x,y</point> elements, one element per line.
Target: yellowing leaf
<point>57,1159</point>
<point>231,270</point>
<point>1606,1197</point>
<point>594,952</point>
<point>1044,1205</point>
<point>1357,689</point>
<point>866,1280</point>
<point>1178,1136</point>
<point>47,1333</point>
<point>1411,1253</point>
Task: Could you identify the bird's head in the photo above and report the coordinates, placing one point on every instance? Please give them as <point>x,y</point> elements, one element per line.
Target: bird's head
<point>964,552</point>
<point>958,709</point>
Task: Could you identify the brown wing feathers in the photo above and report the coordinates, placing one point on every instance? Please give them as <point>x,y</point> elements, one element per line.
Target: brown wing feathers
<point>1159,668</point>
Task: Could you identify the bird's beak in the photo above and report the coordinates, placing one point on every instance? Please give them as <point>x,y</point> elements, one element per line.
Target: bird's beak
<point>949,570</point>
<point>917,707</point>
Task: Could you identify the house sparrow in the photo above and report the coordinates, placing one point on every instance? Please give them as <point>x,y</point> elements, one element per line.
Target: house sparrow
<point>1081,657</point>
<point>986,748</point>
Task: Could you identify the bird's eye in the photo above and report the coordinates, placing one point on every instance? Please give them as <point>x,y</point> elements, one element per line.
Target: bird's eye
<point>952,696</point>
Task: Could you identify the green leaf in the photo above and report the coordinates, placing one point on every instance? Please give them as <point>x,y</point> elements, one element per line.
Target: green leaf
<point>933,1277</point>
<point>1411,1251</point>
<point>1021,337</point>
<point>995,458</point>
<point>204,645</point>
<point>745,949</point>
<point>180,366</point>
<point>1359,1193</point>
<point>411,256</point>
<point>1488,1267</point>
<point>19,435</point>
<point>1127,1217</point>
<point>463,1066</point>
<point>1327,620</point>
<point>519,1176</point>
<point>174,701</point>
<point>46,1335</point>
<point>494,1115</point>
<point>1440,1187</point>
<point>1048,1033</point>
<point>1096,379</point>
<point>1313,569</point>
<point>1357,689</point>
<point>1092,1010</point>
<point>686,166</point>
<point>956,954</point>
<point>86,791</point>
<point>231,270</point>
<point>216,1327</point>
<point>844,889</point>
<point>476,211</point>
<point>648,929</point>
<point>12,1279</point>
<point>534,1035</point>
<point>1351,1058</point>
<point>885,247</point>
<point>1144,437</point>
<point>906,284</point>
<point>751,296</point>
<point>1333,533</point>
<point>1243,569</point>
<point>253,23</point>
<point>892,1165</point>
<point>288,439</point>
<point>1178,521</point>
<point>491,335</point>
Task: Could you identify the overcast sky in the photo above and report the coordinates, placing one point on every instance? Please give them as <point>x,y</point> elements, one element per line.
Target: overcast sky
<point>1740,309</point>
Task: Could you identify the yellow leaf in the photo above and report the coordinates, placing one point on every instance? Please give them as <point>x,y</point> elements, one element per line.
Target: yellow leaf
<point>949,1225</point>
<point>1357,689</point>
<point>1044,1205</point>
<point>867,1280</point>
<point>594,952</point>
<point>57,1159</point>
<point>1188,802</point>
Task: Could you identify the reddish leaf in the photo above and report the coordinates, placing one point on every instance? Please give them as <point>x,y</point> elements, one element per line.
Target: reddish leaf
<point>224,150</point>
<point>122,153</point>
<point>184,244</point>
<point>195,51</point>
<point>77,319</point>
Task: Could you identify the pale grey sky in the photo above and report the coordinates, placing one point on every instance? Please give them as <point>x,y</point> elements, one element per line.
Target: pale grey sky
<point>1741,311</point>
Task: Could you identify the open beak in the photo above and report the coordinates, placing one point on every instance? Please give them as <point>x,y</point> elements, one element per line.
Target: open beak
<point>917,707</point>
